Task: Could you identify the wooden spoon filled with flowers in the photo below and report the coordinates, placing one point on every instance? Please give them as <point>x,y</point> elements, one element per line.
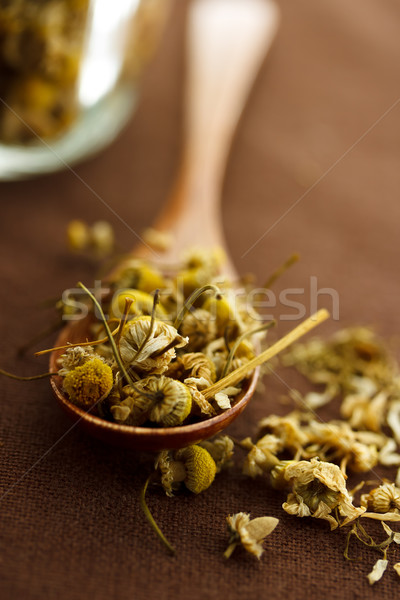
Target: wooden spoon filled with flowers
<point>169,358</point>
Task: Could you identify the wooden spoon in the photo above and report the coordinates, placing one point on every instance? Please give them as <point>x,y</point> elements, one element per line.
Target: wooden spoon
<point>226,42</point>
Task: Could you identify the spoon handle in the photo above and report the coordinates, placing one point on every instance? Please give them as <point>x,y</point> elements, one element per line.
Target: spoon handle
<point>226,43</point>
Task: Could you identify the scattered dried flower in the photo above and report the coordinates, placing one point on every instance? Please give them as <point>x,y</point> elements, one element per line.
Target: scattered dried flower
<point>249,533</point>
<point>383,499</point>
<point>317,489</point>
<point>193,465</point>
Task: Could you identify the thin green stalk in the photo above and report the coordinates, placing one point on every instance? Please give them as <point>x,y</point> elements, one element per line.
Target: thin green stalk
<point>32,378</point>
<point>239,340</point>
<point>280,270</point>
<point>192,299</point>
<point>109,335</point>
<point>150,517</point>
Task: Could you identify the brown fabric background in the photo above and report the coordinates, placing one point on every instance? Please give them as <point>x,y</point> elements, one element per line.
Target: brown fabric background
<point>71,525</point>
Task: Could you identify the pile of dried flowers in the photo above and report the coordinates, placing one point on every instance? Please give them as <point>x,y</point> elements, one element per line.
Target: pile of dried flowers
<point>166,347</point>
<point>183,352</point>
<point>155,357</point>
<point>311,460</point>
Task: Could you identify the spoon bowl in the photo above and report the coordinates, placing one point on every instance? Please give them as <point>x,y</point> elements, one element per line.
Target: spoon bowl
<point>142,438</point>
<point>227,41</point>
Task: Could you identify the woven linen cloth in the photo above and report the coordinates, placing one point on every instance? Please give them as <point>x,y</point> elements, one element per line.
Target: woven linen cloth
<point>314,168</point>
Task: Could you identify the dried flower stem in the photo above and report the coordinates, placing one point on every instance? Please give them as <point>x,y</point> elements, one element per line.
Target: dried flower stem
<point>192,299</point>
<point>67,346</point>
<point>128,304</point>
<point>233,542</point>
<point>117,355</point>
<point>20,378</point>
<point>237,375</point>
<point>239,340</point>
<point>280,270</point>
<point>150,517</point>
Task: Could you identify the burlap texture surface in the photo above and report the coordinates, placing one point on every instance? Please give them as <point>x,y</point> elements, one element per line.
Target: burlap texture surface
<point>314,168</point>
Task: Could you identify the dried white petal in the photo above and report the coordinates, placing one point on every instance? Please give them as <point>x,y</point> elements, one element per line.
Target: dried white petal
<point>222,397</point>
<point>393,419</point>
<point>389,516</point>
<point>364,386</point>
<point>378,570</point>
<point>222,400</point>
<point>396,567</point>
<point>387,455</point>
<point>315,400</point>
<point>200,382</point>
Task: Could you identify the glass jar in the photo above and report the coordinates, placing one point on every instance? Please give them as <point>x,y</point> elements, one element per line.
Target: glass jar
<point>69,72</point>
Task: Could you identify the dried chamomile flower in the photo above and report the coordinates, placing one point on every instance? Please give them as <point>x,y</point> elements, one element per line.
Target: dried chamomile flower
<point>287,429</point>
<point>173,400</point>
<point>200,329</point>
<point>357,450</point>
<point>197,364</point>
<point>157,399</point>
<point>385,498</point>
<point>249,533</point>
<point>78,235</point>
<point>377,571</point>
<point>262,455</point>
<point>98,237</point>
<point>201,266</point>
<point>88,383</point>
<point>157,346</point>
<point>210,259</point>
<point>221,449</point>
<point>159,240</point>
<point>102,237</point>
<point>350,352</point>
<point>138,275</point>
<point>74,357</point>
<point>363,412</point>
<point>396,567</point>
<point>222,311</point>
<point>193,466</point>
<point>317,489</point>
<point>133,409</point>
<point>142,304</point>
